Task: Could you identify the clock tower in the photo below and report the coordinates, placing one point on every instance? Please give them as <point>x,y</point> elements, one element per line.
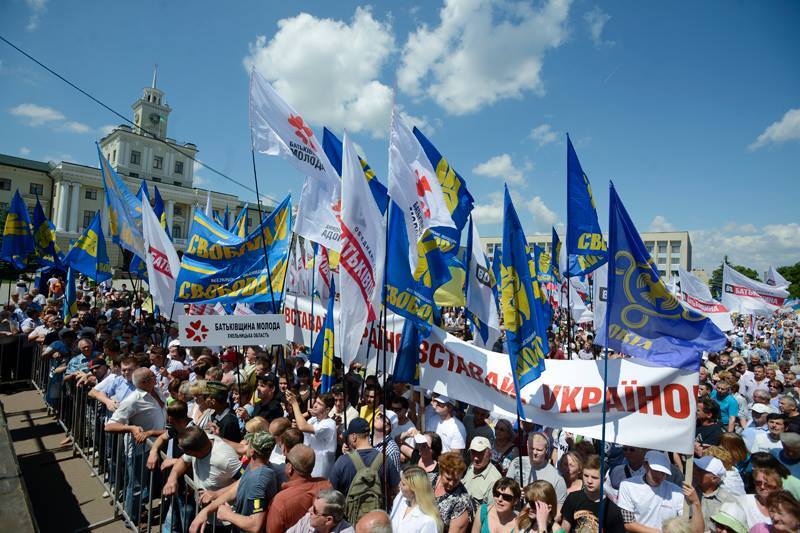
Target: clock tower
<point>150,112</point>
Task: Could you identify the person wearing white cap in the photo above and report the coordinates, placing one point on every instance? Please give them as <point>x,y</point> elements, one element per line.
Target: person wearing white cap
<point>481,474</point>
<point>707,478</point>
<point>729,519</point>
<point>449,428</point>
<point>647,500</point>
<point>383,425</point>
<point>759,413</point>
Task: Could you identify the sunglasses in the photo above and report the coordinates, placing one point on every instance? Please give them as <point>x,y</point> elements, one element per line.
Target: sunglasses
<point>504,496</point>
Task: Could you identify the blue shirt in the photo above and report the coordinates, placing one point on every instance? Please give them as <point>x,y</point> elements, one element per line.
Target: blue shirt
<point>728,407</point>
<point>115,387</point>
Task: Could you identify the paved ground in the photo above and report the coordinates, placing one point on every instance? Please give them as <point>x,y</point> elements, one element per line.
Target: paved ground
<point>63,494</point>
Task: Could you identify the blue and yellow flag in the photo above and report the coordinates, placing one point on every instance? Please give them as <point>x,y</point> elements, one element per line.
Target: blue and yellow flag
<point>124,212</point>
<point>586,248</point>
<point>555,248</point>
<point>458,199</point>
<point>322,352</point>
<point>219,267</point>
<point>643,319</point>
<point>17,237</point>
<point>70,308</point>
<point>544,265</point>
<point>406,364</point>
<point>497,260</point>
<point>88,254</point>
<point>527,342</point>
<point>138,267</point>
<point>158,209</point>
<point>226,218</point>
<point>44,238</point>
<point>239,227</point>
<point>333,149</point>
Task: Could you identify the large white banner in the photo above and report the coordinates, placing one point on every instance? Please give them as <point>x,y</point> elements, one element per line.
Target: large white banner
<point>743,295</point>
<point>696,295</point>
<point>648,406</point>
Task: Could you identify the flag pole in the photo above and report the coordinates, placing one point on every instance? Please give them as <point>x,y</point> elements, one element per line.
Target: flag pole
<point>601,513</point>
<point>261,223</point>
<point>313,279</point>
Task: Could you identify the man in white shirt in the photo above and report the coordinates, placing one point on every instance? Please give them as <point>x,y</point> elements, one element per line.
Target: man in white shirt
<point>449,428</point>
<point>771,439</point>
<point>214,464</point>
<point>633,466</point>
<point>319,432</point>
<point>647,501</point>
<point>142,415</point>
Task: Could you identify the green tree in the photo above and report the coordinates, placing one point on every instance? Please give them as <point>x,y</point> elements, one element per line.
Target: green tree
<point>792,275</point>
<point>716,277</point>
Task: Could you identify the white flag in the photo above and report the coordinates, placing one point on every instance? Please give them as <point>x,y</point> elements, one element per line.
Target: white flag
<point>363,254</point>
<point>209,209</point>
<point>414,187</point>
<point>697,296</point>
<point>322,274</point>
<point>162,262</point>
<point>600,296</point>
<point>743,295</point>
<point>773,277</point>
<point>481,304</point>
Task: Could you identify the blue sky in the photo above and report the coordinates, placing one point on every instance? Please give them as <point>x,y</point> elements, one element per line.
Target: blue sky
<point>692,108</point>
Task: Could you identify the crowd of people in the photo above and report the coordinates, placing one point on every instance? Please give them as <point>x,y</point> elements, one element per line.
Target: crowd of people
<point>268,451</point>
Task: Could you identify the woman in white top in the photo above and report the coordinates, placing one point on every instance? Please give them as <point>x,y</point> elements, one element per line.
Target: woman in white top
<point>414,509</point>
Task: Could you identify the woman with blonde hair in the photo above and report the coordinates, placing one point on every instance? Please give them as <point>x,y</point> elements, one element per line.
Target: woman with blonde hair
<point>414,508</point>
<point>540,509</point>
<point>571,468</point>
<point>733,480</point>
<point>499,517</point>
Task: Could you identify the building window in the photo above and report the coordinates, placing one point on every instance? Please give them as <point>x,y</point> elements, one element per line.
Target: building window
<point>157,180</point>
<point>90,194</point>
<point>37,189</point>
<point>133,174</point>
<point>662,248</point>
<point>177,211</point>
<point>176,231</point>
<point>675,260</point>
<point>136,157</point>
<point>158,162</point>
<point>675,247</point>
<point>177,183</point>
<point>178,167</point>
<point>87,218</point>
<point>4,207</point>
<point>5,185</point>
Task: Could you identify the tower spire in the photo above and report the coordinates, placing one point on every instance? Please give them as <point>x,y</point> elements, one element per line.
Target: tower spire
<point>155,75</point>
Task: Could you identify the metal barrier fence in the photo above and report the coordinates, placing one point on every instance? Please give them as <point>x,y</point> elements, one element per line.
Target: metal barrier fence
<point>119,464</point>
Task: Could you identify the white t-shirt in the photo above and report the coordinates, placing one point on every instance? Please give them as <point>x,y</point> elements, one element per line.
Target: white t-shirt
<point>617,475</point>
<point>415,522</point>
<point>751,511</point>
<point>762,443</point>
<point>650,505</point>
<point>323,442</point>
<point>218,469</point>
<point>451,431</point>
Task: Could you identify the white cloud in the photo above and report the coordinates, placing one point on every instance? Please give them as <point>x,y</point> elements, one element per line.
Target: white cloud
<point>57,157</point>
<point>491,212</point>
<point>74,127</point>
<point>786,129</point>
<point>543,217</point>
<point>482,51</point>
<point>328,69</point>
<point>37,7</point>
<point>24,150</point>
<point>36,115</point>
<point>660,223</point>
<point>596,19</point>
<point>544,134</point>
<point>105,130</point>
<point>500,166</point>
<point>748,245</point>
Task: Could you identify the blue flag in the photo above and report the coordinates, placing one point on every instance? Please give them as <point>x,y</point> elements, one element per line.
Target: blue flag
<point>333,149</point>
<point>543,262</point>
<point>17,236</point>
<point>497,259</point>
<point>555,248</point>
<point>70,308</point>
<point>88,255</point>
<point>218,266</point>
<point>406,364</point>
<point>643,319</point>
<point>44,238</point>
<point>226,218</point>
<point>124,212</point>
<point>459,201</point>
<point>527,342</point>
<point>586,248</point>
<point>138,267</point>
<point>322,352</point>
<point>160,212</point>
<point>239,227</point>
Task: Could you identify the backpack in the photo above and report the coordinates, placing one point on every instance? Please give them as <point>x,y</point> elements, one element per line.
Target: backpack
<point>366,492</point>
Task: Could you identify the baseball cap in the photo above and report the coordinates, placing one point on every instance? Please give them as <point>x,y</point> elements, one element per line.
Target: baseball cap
<point>790,439</point>
<point>176,342</point>
<point>216,389</point>
<point>419,438</point>
<point>357,426</point>
<point>762,408</point>
<point>94,363</point>
<point>731,515</point>
<point>712,465</point>
<point>228,356</point>
<point>658,461</point>
<point>479,444</point>
<point>391,416</point>
<point>261,441</point>
<point>441,398</point>
<point>268,377</point>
